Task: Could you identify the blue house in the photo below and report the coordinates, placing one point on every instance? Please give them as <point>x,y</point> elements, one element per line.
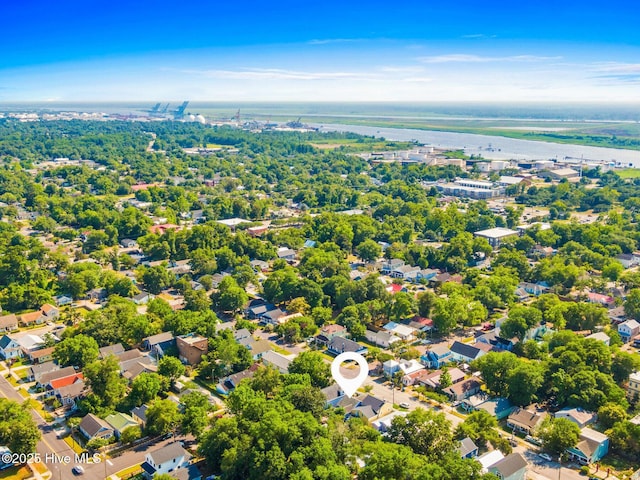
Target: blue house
<point>437,356</point>
<point>592,447</point>
<point>467,448</point>
<point>9,348</point>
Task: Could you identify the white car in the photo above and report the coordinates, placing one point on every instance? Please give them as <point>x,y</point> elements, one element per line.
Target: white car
<point>404,405</point>
<point>545,456</point>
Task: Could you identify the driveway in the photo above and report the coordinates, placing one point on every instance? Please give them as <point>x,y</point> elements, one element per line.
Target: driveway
<point>385,392</point>
<point>54,450</point>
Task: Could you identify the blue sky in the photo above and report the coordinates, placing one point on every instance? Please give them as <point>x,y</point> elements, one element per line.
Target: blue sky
<point>211,50</point>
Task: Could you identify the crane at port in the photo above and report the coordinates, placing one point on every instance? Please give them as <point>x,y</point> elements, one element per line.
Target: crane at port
<point>178,113</point>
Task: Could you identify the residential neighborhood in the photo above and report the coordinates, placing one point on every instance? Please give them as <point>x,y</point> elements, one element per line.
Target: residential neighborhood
<point>169,324</point>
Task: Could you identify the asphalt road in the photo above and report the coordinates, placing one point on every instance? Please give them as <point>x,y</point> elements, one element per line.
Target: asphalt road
<point>53,449</point>
<point>384,392</point>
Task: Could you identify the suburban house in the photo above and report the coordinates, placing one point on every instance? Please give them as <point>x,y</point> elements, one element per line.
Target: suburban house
<point>525,421</point>
<point>230,382</point>
<point>259,265</point>
<point>68,395</point>
<point>404,271</point>
<point>115,349</point>
<point>333,394</point>
<point>8,323</point>
<point>191,348</point>
<point>62,300</point>
<point>32,318</point>
<point>276,360</point>
<point>158,344</point>
<point>29,343</point>
<point>139,414</point>
<point>67,389</point>
<point>633,389</point>
<point>41,355</point>
<point>414,377</point>
<point>580,417</point>
<point>271,316</point>
<point>50,312</point>
<point>120,422</point>
<point>36,371</point>
<point>592,447</point>
<point>328,332</point>
<point>462,390</point>
<point>391,265</point>
<point>462,352</point>
<point>132,365</point>
<point>404,332</point>
<point>432,379</point>
<point>437,356</point>
<point>601,336</point>
<point>142,298</point>
<point>372,408</point>
<point>9,348</point>
<point>165,460</point>
<point>489,459</point>
<point>407,367</point>
<point>511,467</point>
<point>286,254</point>
<point>46,377</point>
<point>127,243</point>
<point>93,427</point>
<point>498,343</point>
<point>338,345</point>
<point>628,260</point>
<point>381,339</point>
<point>421,323</point>
<point>629,329</point>
<point>467,448</point>
<point>499,407</point>
<point>256,347</point>
<point>383,424</point>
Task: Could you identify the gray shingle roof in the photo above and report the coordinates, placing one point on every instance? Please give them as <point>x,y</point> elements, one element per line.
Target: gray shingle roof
<point>168,452</point>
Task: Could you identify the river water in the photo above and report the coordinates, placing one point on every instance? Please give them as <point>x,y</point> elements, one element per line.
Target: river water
<point>497,148</point>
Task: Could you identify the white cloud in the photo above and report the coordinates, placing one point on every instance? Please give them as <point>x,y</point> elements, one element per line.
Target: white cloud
<point>278,74</point>
<point>418,79</point>
<point>469,58</point>
<point>478,35</point>
<point>615,67</point>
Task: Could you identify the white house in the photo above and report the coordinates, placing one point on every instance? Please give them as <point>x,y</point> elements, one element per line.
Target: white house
<point>403,332</point>
<point>390,367</point>
<point>628,260</point>
<point>276,360</point>
<point>9,348</point>
<point>382,338</point>
<point>629,329</point>
<point>165,460</point>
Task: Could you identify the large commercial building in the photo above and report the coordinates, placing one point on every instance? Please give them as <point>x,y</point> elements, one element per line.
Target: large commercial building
<point>476,189</point>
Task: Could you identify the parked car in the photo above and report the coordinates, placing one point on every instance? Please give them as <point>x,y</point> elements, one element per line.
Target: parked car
<point>77,470</point>
<point>533,440</point>
<point>405,405</point>
<point>545,456</point>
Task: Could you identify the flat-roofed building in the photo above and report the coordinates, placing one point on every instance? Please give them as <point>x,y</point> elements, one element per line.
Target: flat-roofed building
<point>495,236</point>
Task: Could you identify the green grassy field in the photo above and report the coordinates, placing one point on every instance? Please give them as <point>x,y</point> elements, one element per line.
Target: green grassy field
<point>629,173</point>
<point>357,145</point>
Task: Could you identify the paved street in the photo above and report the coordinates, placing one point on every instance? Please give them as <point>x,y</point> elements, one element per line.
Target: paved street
<point>384,392</point>
<point>50,444</point>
